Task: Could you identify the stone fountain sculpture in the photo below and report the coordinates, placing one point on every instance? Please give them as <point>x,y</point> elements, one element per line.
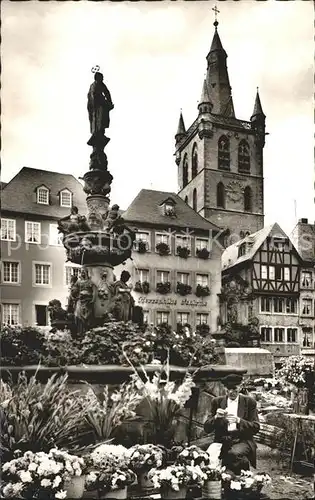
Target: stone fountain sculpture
<point>100,241</point>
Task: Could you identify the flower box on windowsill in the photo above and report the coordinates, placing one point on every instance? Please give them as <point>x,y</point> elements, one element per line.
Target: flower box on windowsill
<point>142,287</point>
<point>163,288</point>
<point>203,329</point>
<point>202,291</point>
<point>183,289</point>
<point>183,252</point>
<point>142,246</point>
<point>163,249</point>
<point>202,253</point>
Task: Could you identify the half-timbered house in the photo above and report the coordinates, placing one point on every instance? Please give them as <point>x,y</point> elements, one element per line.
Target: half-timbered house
<point>260,290</point>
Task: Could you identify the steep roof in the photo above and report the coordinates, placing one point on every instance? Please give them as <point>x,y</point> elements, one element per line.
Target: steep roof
<point>230,256</point>
<point>146,209</point>
<point>19,194</point>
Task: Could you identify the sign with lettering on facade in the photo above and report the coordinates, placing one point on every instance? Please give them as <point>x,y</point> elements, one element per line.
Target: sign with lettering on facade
<point>172,302</point>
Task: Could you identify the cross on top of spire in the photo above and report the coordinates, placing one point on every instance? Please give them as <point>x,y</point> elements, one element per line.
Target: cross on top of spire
<point>216,12</point>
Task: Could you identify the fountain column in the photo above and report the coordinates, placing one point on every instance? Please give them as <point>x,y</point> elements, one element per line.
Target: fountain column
<point>102,240</point>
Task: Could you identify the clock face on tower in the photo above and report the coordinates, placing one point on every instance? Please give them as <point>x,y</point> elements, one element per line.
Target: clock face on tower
<point>234,191</point>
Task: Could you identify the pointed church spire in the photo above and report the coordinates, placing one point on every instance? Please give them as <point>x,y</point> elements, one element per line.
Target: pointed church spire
<point>181,130</point>
<point>218,77</point>
<point>257,107</point>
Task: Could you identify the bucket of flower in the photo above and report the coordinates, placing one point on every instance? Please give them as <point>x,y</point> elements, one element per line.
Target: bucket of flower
<point>44,476</point>
<point>245,486</point>
<point>143,458</point>
<point>175,480</point>
<point>212,470</point>
<point>109,474</point>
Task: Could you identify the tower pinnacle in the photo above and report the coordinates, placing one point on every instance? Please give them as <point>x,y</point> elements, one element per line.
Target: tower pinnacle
<point>181,130</point>
<point>217,76</point>
<point>257,107</point>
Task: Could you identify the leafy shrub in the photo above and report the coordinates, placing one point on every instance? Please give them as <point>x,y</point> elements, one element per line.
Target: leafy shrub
<point>104,346</point>
<point>21,345</point>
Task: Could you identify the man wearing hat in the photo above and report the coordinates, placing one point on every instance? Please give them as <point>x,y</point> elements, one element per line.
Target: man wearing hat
<point>234,421</point>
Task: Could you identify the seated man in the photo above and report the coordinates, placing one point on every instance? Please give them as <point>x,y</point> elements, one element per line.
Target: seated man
<point>234,421</point>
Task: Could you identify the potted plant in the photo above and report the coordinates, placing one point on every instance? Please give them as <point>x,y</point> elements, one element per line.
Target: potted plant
<point>183,289</point>
<point>162,249</point>
<point>202,253</point>
<point>142,458</point>
<point>109,475</point>
<point>202,291</point>
<point>138,287</point>
<point>193,455</point>
<point>212,487</point>
<point>165,400</point>
<point>141,246</point>
<point>145,287</point>
<point>163,287</point>
<point>174,480</point>
<point>41,475</point>
<point>245,486</point>
<point>183,252</point>
<point>106,416</point>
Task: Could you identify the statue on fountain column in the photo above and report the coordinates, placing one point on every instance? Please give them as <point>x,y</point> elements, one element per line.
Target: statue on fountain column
<point>73,294</point>
<point>84,307</point>
<point>74,222</point>
<point>123,302</point>
<point>99,105</point>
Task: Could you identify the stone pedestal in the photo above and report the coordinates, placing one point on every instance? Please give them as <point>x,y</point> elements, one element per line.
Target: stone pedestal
<point>256,361</point>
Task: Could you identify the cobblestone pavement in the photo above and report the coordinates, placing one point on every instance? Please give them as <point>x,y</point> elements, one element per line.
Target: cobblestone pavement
<point>285,485</point>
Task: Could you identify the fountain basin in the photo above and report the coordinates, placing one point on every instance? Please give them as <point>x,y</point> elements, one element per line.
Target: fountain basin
<point>98,247</point>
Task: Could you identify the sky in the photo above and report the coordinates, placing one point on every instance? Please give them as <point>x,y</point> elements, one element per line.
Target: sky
<point>153,57</point>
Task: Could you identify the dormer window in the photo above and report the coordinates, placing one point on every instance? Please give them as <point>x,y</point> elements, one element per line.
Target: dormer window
<point>43,195</point>
<point>168,207</point>
<point>66,198</point>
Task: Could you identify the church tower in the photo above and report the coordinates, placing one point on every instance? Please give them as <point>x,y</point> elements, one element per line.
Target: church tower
<point>219,157</point>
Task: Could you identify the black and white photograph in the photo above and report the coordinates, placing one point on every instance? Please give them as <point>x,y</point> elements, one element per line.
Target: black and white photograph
<point>157,306</point>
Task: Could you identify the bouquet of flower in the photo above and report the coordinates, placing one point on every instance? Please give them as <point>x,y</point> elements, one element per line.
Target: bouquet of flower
<point>177,475</point>
<point>40,475</point>
<point>143,457</point>
<point>297,370</point>
<point>165,399</point>
<point>247,481</point>
<point>213,473</point>
<point>108,453</point>
<point>109,469</point>
<point>193,455</point>
<point>105,414</point>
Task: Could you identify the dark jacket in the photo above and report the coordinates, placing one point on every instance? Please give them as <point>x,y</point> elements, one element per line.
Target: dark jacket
<point>248,426</point>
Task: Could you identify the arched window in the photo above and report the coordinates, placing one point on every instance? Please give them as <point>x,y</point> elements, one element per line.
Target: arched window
<point>247,199</point>
<point>185,171</point>
<point>186,200</point>
<point>243,157</point>
<point>195,199</point>
<point>220,195</point>
<point>224,153</point>
<point>194,162</point>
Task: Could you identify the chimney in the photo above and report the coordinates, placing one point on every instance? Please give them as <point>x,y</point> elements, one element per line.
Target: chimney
<point>303,221</point>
